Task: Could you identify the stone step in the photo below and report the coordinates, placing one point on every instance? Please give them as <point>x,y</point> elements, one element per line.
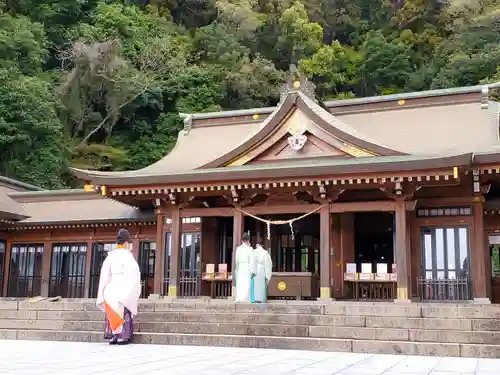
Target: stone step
<point>302,343</point>
<point>268,318</point>
<point>197,317</point>
<point>56,325</point>
<point>281,330</point>
<point>349,333</point>
<point>412,310</point>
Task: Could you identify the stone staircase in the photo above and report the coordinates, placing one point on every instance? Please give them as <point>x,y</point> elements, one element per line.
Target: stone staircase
<point>466,330</point>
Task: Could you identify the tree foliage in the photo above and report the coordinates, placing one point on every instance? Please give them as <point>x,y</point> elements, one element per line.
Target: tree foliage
<point>100,84</point>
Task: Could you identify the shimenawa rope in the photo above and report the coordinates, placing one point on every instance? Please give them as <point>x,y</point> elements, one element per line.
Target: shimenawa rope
<point>280,222</point>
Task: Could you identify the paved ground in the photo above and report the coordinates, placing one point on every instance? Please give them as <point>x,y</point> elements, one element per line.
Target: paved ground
<point>40,358</point>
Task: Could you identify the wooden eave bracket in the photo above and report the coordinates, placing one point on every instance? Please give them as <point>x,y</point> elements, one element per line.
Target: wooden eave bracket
<point>485,188</point>
<point>250,201</point>
<point>400,192</point>
<point>327,194</point>
<point>411,205</point>
<point>172,198</point>
<point>235,195</point>
<point>186,202</point>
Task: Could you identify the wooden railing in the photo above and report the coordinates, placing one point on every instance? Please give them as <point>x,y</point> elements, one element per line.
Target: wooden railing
<point>189,284</point>
<point>443,289</point>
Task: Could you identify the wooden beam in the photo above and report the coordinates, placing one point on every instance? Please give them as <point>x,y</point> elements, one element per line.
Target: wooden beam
<point>383,206</point>
<point>204,212</point>
<point>281,209</point>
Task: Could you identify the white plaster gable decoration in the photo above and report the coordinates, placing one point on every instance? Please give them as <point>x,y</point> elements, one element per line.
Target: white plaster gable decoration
<point>297,138</point>
<point>297,142</point>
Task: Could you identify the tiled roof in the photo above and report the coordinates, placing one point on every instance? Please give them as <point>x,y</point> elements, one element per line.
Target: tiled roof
<point>9,208</point>
<point>71,206</point>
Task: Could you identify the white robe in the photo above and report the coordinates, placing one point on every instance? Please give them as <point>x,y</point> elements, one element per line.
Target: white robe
<point>245,268</point>
<point>119,283</point>
<point>264,267</point>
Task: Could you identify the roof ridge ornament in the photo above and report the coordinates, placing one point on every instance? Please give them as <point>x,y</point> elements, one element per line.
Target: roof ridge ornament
<point>484,97</point>
<point>298,82</point>
<point>187,119</point>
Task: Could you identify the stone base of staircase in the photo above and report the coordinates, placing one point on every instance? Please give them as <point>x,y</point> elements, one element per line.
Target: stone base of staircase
<point>465,330</point>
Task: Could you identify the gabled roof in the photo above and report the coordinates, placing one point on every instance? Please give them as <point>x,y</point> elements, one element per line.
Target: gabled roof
<point>10,209</point>
<point>332,126</point>
<point>426,125</point>
<point>73,206</point>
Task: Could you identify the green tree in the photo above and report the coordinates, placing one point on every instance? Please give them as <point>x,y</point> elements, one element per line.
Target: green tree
<point>333,68</point>
<point>298,36</point>
<point>384,64</point>
<point>32,142</point>
<point>22,43</point>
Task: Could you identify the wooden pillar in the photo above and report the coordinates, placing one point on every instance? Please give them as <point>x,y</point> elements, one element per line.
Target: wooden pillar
<point>337,268</point>
<point>298,253</point>
<point>46,260</point>
<point>8,256</point>
<point>175,256</point>
<point>487,266</point>
<point>209,250</point>
<point>324,252</point>
<point>237,234</point>
<point>266,242</point>
<point>88,265</point>
<point>409,254</point>
<point>479,255</point>
<point>347,246</point>
<point>276,252</point>
<point>401,253</point>
<point>159,254</point>
<point>136,247</point>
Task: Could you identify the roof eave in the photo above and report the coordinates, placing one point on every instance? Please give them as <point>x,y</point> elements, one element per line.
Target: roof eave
<point>19,184</point>
<point>303,171</point>
<point>486,158</point>
<point>90,221</point>
<point>13,216</point>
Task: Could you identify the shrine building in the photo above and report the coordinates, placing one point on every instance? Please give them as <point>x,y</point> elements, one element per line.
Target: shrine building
<point>392,197</point>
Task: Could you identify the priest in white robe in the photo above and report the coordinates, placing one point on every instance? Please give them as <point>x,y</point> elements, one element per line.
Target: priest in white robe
<point>244,269</point>
<point>119,289</point>
<point>264,269</point>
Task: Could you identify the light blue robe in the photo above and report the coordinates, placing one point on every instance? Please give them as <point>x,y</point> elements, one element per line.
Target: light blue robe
<point>263,272</point>
<point>245,268</point>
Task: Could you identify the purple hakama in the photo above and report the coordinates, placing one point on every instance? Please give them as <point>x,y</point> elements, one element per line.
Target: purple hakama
<point>127,331</point>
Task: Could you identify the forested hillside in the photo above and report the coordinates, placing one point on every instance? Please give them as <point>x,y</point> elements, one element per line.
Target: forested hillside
<point>99,84</point>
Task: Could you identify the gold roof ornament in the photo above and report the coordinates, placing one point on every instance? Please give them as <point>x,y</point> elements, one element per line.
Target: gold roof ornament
<point>88,188</point>
<point>298,82</point>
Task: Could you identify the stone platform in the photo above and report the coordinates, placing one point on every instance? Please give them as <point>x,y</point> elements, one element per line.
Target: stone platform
<point>76,358</point>
<point>465,330</point>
